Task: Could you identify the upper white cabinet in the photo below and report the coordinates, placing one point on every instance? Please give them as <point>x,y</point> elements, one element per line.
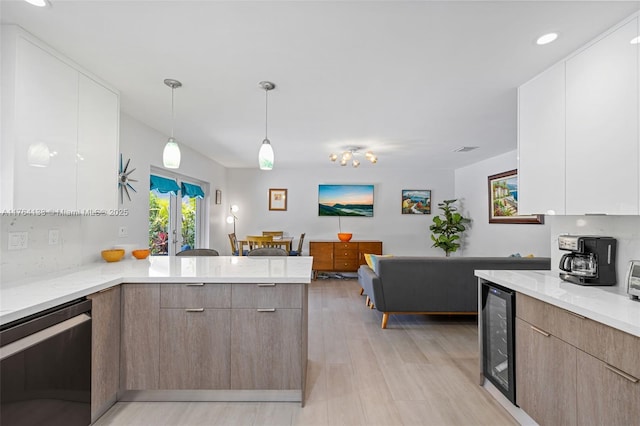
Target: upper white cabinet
<point>59,132</point>
<point>541,133</point>
<point>602,126</point>
<point>578,137</point>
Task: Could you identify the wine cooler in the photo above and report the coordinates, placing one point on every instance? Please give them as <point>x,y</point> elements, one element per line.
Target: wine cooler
<point>498,346</point>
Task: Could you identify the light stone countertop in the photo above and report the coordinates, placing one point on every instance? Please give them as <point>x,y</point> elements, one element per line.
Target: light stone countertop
<point>600,304</point>
<point>22,298</point>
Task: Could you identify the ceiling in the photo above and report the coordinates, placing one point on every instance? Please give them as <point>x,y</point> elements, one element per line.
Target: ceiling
<point>410,80</point>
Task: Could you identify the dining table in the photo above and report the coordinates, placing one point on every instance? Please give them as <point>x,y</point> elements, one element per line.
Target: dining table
<point>282,242</point>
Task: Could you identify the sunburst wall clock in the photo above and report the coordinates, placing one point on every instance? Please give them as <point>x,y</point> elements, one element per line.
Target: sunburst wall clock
<point>124,180</point>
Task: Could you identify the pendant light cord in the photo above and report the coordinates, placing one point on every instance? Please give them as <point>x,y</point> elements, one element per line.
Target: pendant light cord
<point>172,114</point>
<point>266,111</point>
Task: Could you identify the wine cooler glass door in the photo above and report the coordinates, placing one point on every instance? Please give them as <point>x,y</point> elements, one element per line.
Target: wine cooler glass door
<point>498,339</point>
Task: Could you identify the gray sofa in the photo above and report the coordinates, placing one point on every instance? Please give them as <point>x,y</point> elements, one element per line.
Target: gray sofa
<point>432,285</point>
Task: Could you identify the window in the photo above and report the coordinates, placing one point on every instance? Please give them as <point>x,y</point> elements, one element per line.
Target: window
<point>177,212</point>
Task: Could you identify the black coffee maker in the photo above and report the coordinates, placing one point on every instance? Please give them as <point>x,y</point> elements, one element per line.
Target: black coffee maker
<point>592,260</point>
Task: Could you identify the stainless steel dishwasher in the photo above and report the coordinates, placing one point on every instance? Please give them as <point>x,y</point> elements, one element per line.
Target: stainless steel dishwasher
<point>45,367</point>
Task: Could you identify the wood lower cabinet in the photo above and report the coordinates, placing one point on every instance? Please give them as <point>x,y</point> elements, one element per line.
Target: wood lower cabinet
<point>105,347</point>
<point>214,338</point>
<point>195,350</point>
<point>140,353</point>
<point>266,344</point>
<point>571,370</point>
<point>606,395</point>
<point>545,376</point>
<point>334,256</point>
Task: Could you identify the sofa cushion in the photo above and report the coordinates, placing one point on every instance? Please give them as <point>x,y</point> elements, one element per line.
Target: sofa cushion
<point>374,260</point>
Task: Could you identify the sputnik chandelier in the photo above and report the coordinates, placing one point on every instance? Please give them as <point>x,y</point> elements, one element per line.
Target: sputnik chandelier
<point>349,155</point>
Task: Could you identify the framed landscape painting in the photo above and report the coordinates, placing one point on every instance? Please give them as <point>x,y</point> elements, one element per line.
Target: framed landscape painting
<point>416,201</point>
<point>503,200</point>
<point>345,200</point>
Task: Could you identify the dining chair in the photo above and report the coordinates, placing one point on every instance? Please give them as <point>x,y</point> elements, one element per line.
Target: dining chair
<point>198,252</point>
<point>299,251</point>
<point>268,251</point>
<point>273,233</point>
<point>233,240</point>
<point>257,241</point>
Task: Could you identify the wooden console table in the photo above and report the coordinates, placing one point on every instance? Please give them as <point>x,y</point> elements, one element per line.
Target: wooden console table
<point>336,256</point>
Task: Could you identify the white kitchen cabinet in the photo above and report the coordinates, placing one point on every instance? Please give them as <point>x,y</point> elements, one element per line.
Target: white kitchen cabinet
<point>541,143</point>
<point>602,146</point>
<point>97,149</point>
<point>60,131</point>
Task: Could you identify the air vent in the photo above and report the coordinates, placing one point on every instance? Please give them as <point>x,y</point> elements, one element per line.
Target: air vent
<point>465,149</point>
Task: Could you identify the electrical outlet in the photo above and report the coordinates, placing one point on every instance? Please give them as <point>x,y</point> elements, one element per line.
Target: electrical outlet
<point>123,232</point>
<point>18,240</point>
<point>54,237</point>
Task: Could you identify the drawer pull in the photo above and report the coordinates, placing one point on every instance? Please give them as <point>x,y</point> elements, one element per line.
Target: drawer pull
<point>194,284</point>
<point>195,310</point>
<point>629,377</point>
<point>544,333</point>
<point>267,285</point>
<point>575,315</point>
<point>266,309</point>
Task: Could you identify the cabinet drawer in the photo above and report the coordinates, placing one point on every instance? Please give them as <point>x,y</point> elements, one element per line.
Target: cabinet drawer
<point>346,265</point>
<point>345,246</point>
<point>266,296</point>
<point>320,249</point>
<point>563,324</point>
<point>195,295</point>
<point>341,254</point>
<point>615,347</point>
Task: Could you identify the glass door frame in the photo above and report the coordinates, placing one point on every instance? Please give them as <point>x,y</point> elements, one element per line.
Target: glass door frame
<point>174,224</point>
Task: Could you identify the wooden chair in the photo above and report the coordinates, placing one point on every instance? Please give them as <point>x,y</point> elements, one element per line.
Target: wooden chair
<point>233,240</point>
<point>299,251</point>
<point>198,252</point>
<point>257,241</point>
<point>268,251</point>
<point>273,233</point>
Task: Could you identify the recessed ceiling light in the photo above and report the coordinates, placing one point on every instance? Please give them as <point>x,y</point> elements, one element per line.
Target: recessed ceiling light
<point>39,3</point>
<point>547,38</point>
<point>635,40</point>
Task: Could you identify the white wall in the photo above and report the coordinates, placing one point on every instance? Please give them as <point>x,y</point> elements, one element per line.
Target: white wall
<point>401,234</point>
<point>625,229</point>
<point>494,239</point>
<point>82,238</point>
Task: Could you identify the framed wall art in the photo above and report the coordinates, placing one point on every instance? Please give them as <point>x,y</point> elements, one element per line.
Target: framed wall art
<point>277,199</point>
<point>345,200</point>
<point>416,201</point>
<point>503,200</point>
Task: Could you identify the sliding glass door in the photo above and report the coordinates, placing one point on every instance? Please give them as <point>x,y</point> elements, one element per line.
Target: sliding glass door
<point>176,214</point>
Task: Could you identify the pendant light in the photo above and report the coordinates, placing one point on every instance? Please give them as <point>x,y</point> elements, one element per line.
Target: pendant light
<point>171,153</point>
<point>265,155</point>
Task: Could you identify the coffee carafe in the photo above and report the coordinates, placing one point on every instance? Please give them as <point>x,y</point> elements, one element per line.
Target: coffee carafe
<point>592,260</point>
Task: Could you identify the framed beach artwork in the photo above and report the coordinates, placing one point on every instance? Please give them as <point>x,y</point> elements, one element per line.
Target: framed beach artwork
<point>277,199</point>
<point>503,200</point>
<point>345,200</point>
<point>416,201</point>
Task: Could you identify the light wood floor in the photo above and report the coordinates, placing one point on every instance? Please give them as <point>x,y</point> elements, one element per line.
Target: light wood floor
<point>419,371</point>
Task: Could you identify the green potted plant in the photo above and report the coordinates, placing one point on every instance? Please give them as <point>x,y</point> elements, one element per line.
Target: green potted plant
<point>448,227</point>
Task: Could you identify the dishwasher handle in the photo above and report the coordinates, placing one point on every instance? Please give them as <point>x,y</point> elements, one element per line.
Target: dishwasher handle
<point>42,335</point>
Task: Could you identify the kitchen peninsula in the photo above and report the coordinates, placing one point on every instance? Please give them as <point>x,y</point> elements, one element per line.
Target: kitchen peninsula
<point>219,328</point>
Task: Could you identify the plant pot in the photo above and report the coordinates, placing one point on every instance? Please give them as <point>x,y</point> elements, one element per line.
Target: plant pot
<point>344,236</point>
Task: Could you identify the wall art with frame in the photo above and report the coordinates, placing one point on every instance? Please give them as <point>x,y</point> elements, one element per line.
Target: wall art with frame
<point>277,199</point>
<point>416,201</point>
<point>345,200</point>
<point>503,200</point>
